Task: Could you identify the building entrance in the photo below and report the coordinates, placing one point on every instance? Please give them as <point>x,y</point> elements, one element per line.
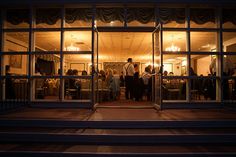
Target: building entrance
<point>112,67</point>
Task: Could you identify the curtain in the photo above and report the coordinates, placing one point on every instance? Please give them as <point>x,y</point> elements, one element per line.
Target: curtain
<point>48,16</point>
<point>84,14</point>
<point>143,15</point>
<point>229,15</point>
<point>18,16</point>
<point>107,15</point>
<point>201,16</point>
<point>167,15</point>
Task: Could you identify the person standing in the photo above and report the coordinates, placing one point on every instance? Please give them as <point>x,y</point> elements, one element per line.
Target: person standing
<point>128,72</point>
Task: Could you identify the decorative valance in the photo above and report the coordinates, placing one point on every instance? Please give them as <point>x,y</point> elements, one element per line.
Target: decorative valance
<point>107,15</point>
<point>48,16</point>
<point>18,16</point>
<point>143,15</point>
<point>229,15</point>
<point>167,15</point>
<point>84,14</point>
<point>201,16</point>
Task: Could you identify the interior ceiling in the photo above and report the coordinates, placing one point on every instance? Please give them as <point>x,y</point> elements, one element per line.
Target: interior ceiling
<point>118,46</point>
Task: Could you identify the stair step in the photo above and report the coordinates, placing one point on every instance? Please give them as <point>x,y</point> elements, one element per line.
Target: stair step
<point>129,139</point>
<point>164,131</point>
<point>118,124</point>
<point>71,150</point>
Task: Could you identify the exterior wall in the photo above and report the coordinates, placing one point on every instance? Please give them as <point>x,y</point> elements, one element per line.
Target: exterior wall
<point>178,67</point>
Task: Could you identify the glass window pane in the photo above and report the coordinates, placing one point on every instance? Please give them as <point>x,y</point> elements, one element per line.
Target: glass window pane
<point>200,65</point>
<point>47,89</point>
<point>1,89</point>
<point>15,64</point>
<point>202,18</point>
<point>78,41</point>
<point>228,16</point>
<point>229,65</point>
<point>174,41</point>
<point>203,89</point>
<point>47,41</point>
<point>16,89</point>
<point>110,17</point>
<point>78,17</point>
<point>173,17</point>
<point>17,18</point>
<point>46,64</point>
<point>174,89</point>
<point>141,17</point>
<point>78,89</point>
<point>203,41</point>
<point>174,65</point>
<point>16,41</point>
<point>77,64</point>
<point>229,41</point>
<point>48,18</point>
<point>229,89</point>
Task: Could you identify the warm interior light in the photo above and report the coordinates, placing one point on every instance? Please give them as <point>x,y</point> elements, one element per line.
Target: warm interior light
<point>72,48</point>
<point>173,48</point>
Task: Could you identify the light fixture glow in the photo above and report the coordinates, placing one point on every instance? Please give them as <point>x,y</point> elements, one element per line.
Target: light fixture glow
<point>72,48</point>
<point>173,48</point>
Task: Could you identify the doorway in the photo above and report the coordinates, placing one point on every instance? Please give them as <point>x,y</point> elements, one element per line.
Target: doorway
<point>111,51</point>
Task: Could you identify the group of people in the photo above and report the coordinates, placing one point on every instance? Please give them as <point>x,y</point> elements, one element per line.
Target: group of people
<point>137,85</point>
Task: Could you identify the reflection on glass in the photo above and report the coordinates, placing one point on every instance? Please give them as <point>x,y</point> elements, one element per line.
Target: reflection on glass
<point>229,41</point>
<point>77,41</point>
<point>77,62</point>
<point>46,65</point>
<point>46,88</point>
<point>15,64</point>
<point>78,17</point>
<point>16,41</point>
<point>17,18</point>
<point>48,18</point>
<point>174,65</point>
<point>174,89</point>
<point>47,41</point>
<point>77,89</point>
<point>200,65</point>
<point>203,41</point>
<point>16,89</point>
<point>203,89</point>
<point>202,18</point>
<point>174,41</point>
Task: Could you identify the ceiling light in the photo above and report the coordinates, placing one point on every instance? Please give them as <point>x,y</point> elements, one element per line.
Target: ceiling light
<point>72,48</point>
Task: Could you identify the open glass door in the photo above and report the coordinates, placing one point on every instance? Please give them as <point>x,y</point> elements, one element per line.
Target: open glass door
<point>95,68</point>
<point>157,68</point>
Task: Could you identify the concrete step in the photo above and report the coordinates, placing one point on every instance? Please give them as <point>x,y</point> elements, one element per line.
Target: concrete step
<point>115,138</point>
<point>160,131</point>
<point>72,150</point>
<point>118,124</point>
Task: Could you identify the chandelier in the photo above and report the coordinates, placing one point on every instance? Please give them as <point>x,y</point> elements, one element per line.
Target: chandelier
<point>72,48</point>
<point>173,48</point>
